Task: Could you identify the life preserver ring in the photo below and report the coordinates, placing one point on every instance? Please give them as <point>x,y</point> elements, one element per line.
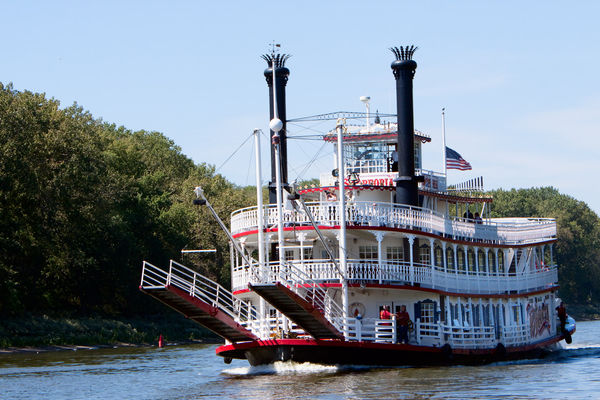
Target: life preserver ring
<point>357,309</point>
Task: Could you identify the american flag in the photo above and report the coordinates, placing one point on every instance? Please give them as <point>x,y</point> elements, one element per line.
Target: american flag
<point>455,161</point>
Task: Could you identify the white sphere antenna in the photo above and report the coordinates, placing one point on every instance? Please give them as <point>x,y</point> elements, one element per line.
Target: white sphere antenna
<point>275,125</point>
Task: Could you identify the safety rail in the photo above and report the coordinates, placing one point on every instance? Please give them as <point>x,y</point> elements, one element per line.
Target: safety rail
<point>301,284</point>
<point>491,230</point>
<point>426,275</point>
<point>198,286</point>
<point>516,335</point>
<point>469,337</point>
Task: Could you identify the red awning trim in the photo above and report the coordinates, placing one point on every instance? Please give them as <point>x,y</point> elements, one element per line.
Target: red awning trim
<point>428,193</point>
<point>366,136</point>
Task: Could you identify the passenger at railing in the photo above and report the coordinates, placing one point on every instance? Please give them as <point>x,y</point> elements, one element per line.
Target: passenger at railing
<point>478,219</point>
<point>385,313</point>
<point>394,161</point>
<point>358,315</point>
<point>561,311</point>
<point>402,322</point>
<point>468,216</point>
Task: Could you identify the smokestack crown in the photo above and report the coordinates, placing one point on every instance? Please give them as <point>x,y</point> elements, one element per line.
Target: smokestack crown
<point>404,59</point>
<point>280,70</point>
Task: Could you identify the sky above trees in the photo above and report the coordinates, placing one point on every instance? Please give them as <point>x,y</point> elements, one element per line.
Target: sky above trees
<point>518,80</point>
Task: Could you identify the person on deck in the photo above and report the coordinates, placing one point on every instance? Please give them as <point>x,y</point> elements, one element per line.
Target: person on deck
<point>562,315</point>
<point>385,313</point>
<point>402,322</point>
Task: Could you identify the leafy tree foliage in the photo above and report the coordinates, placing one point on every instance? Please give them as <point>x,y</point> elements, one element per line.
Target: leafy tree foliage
<point>83,202</point>
<point>578,246</point>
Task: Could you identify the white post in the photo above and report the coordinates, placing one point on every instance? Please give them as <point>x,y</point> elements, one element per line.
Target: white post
<point>276,125</point>
<point>411,240</point>
<point>432,261</point>
<point>379,237</point>
<point>342,218</point>
<point>261,234</point>
<point>444,142</point>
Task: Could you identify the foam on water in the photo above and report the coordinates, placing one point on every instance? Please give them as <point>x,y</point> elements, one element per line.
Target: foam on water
<point>283,368</point>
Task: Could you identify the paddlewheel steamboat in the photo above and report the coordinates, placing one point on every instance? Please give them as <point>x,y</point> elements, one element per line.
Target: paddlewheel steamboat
<point>381,263</point>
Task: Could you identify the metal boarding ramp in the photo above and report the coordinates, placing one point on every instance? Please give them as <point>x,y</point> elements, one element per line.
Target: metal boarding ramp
<point>303,301</point>
<point>199,299</point>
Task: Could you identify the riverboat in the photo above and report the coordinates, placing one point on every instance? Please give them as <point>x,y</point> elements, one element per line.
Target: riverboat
<point>381,263</point>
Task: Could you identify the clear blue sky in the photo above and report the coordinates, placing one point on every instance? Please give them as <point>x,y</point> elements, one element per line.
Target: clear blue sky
<point>519,80</point>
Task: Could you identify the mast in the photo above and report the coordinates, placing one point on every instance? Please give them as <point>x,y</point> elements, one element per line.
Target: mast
<point>276,126</point>
<point>342,217</point>
<point>444,142</point>
<point>261,234</point>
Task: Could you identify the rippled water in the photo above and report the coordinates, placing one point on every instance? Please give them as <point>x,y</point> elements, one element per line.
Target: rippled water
<point>194,372</point>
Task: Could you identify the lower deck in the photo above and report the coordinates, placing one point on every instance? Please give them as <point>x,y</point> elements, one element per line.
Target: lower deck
<point>334,352</point>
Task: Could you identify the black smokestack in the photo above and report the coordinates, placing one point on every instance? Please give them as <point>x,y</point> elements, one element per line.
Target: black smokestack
<point>277,61</point>
<point>404,70</point>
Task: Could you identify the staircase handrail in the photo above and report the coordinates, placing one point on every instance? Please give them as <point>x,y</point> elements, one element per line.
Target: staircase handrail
<point>296,279</point>
<point>198,286</point>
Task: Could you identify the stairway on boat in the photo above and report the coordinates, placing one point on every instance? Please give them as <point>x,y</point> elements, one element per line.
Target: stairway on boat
<point>209,304</point>
<point>199,299</point>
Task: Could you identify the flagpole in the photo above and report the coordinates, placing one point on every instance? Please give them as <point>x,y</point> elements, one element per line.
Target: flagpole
<point>444,141</point>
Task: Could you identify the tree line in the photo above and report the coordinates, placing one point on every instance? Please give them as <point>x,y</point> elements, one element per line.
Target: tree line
<point>83,202</point>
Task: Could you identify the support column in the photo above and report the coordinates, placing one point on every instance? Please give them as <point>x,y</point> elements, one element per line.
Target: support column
<point>481,313</point>
<point>411,240</point>
<point>445,257</point>
<point>432,261</point>
<point>379,237</point>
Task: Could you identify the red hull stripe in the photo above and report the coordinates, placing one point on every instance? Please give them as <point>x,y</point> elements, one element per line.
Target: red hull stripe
<point>237,347</point>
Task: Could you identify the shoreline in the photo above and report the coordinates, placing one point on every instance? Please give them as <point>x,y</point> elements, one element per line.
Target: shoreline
<point>76,347</point>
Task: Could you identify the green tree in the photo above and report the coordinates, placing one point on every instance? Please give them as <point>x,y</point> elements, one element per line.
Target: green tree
<point>578,246</point>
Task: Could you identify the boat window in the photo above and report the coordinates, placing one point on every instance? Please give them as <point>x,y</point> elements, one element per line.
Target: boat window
<point>450,258</point>
<point>394,253</point>
<point>481,260</point>
<point>492,261</point>
<point>289,255</point>
<point>307,253</point>
<point>424,254</point>
<point>460,256</point>
<point>439,256</point>
<point>367,252</point>
<point>500,262</point>
<point>471,259</point>
<point>427,317</point>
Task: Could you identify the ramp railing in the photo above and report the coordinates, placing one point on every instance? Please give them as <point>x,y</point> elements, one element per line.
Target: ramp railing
<point>198,286</point>
<point>301,284</point>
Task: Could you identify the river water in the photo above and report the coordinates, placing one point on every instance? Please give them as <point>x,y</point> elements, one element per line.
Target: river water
<point>195,372</point>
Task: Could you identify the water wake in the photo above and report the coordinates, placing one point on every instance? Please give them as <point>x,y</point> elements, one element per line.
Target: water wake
<point>282,368</point>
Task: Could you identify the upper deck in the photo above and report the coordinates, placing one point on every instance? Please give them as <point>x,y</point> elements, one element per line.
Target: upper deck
<point>493,231</point>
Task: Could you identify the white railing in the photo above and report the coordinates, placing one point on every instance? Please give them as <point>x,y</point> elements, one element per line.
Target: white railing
<point>493,230</point>
<point>198,286</point>
<point>516,335</point>
<point>469,337</point>
<point>303,285</point>
<point>322,271</point>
